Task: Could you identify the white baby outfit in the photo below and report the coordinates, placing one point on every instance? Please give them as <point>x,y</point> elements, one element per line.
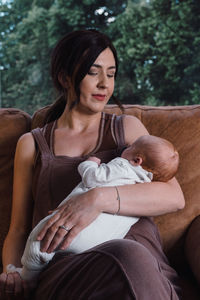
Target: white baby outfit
<point>105,227</point>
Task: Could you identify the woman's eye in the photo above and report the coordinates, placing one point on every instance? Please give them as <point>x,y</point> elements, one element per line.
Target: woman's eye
<point>111,75</point>
<point>92,73</point>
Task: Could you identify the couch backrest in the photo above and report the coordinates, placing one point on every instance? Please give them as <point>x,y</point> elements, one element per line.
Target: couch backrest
<point>13,123</point>
<point>181,126</point>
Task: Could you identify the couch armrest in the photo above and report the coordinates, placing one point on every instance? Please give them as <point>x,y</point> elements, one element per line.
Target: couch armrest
<point>192,247</point>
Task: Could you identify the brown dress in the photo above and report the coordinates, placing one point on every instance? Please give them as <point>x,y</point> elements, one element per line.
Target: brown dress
<point>131,268</point>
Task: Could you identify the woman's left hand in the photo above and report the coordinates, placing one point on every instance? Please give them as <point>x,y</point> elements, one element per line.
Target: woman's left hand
<point>68,220</point>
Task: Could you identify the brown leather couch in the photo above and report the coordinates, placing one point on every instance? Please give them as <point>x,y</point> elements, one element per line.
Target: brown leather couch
<point>180,231</point>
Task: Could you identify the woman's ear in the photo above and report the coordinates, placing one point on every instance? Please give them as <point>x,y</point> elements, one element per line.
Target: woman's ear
<point>137,161</point>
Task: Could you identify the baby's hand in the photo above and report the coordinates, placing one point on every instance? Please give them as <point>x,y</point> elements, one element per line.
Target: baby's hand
<point>95,159</point>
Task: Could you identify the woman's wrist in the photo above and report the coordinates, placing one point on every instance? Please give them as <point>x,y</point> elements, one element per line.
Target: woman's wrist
<point>95,197</point>
<point>105,199</point>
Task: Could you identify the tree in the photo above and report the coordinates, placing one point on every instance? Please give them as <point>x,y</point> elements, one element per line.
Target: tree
<point>29,34</point>
<point>158,45</point>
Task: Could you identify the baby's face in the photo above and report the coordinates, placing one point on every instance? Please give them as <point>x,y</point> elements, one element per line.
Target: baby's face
<point>129,154</point>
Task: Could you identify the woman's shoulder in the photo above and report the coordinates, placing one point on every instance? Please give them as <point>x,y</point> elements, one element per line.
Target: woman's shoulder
<point>26,139</point>
<point>26,146</point>
<point>133,128</point>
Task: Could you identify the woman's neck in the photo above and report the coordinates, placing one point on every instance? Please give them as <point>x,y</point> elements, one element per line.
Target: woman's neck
<point>78,121</point>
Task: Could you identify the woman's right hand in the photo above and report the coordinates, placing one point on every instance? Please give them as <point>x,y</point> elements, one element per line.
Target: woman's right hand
<point>13,287</point>
<point>76,214</point>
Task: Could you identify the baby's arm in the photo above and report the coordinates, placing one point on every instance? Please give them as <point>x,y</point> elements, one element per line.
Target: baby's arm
<point>88,170</point>
<point>94,175</point>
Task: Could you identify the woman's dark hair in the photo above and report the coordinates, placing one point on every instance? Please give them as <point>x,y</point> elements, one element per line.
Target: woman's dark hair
<point>72,57</point>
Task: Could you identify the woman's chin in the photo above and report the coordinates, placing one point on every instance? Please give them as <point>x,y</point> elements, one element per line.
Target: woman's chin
<point>93,108</point>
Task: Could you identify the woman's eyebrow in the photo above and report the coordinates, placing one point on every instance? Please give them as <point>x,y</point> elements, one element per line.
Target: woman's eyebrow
<point>99,66</point>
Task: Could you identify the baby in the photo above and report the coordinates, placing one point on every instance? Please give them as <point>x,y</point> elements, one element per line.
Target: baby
<point>148,158</point>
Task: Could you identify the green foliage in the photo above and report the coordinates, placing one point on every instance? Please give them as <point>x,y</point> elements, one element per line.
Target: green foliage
<point>25,79</point>
<point>29,30</point>
<point>158,43</point>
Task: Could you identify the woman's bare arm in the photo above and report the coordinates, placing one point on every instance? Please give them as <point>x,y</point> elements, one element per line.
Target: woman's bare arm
<point>21,217</point>
<point>146,199</point>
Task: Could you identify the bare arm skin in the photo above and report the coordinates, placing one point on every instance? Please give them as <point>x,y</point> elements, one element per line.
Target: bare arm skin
<point>157,198</point>
<point>21,217</point>
<point>147,199</point>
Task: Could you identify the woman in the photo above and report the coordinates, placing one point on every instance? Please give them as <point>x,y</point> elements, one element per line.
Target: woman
<point>84,67</point>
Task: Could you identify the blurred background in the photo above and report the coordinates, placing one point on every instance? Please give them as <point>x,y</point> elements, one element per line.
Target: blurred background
<point>158,44</point>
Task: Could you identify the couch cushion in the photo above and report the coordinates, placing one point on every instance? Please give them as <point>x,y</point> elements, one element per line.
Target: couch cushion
<point>181,126</point>
<point>13,123</point>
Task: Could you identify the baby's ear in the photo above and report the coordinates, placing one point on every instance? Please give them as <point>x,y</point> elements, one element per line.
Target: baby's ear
<point>137,161</point>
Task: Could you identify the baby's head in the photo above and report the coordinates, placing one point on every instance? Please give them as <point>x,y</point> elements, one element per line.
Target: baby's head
<point>155,155</point>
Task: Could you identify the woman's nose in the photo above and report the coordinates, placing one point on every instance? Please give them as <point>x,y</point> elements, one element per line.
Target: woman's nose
<point>103,81</point>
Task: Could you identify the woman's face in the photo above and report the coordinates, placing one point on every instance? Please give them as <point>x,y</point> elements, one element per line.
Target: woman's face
<point>97,86</point>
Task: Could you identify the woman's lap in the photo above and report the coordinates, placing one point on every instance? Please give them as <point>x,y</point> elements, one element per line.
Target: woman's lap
<point>118,269</point>
<point>85,276</point>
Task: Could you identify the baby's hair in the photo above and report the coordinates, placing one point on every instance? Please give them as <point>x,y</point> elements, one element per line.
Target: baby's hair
<point>159,156</point>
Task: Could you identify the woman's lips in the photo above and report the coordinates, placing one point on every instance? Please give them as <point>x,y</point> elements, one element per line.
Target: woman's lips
<point>99,97</point>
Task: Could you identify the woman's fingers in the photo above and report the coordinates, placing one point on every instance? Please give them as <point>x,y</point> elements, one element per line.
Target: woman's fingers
<point>69,237</point>
<point>52,235</point>
<point>49,236</point>
<point>3,278</point>
<point>82,222</point>
<point>55,235</point>
<point>48,225</point>
<point>10,286</point>
<point>13,287</point>
<point>10,283</point>
<point>57,240</point>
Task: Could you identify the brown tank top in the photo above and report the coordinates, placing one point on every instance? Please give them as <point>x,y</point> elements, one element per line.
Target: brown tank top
<point>54,177</point>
